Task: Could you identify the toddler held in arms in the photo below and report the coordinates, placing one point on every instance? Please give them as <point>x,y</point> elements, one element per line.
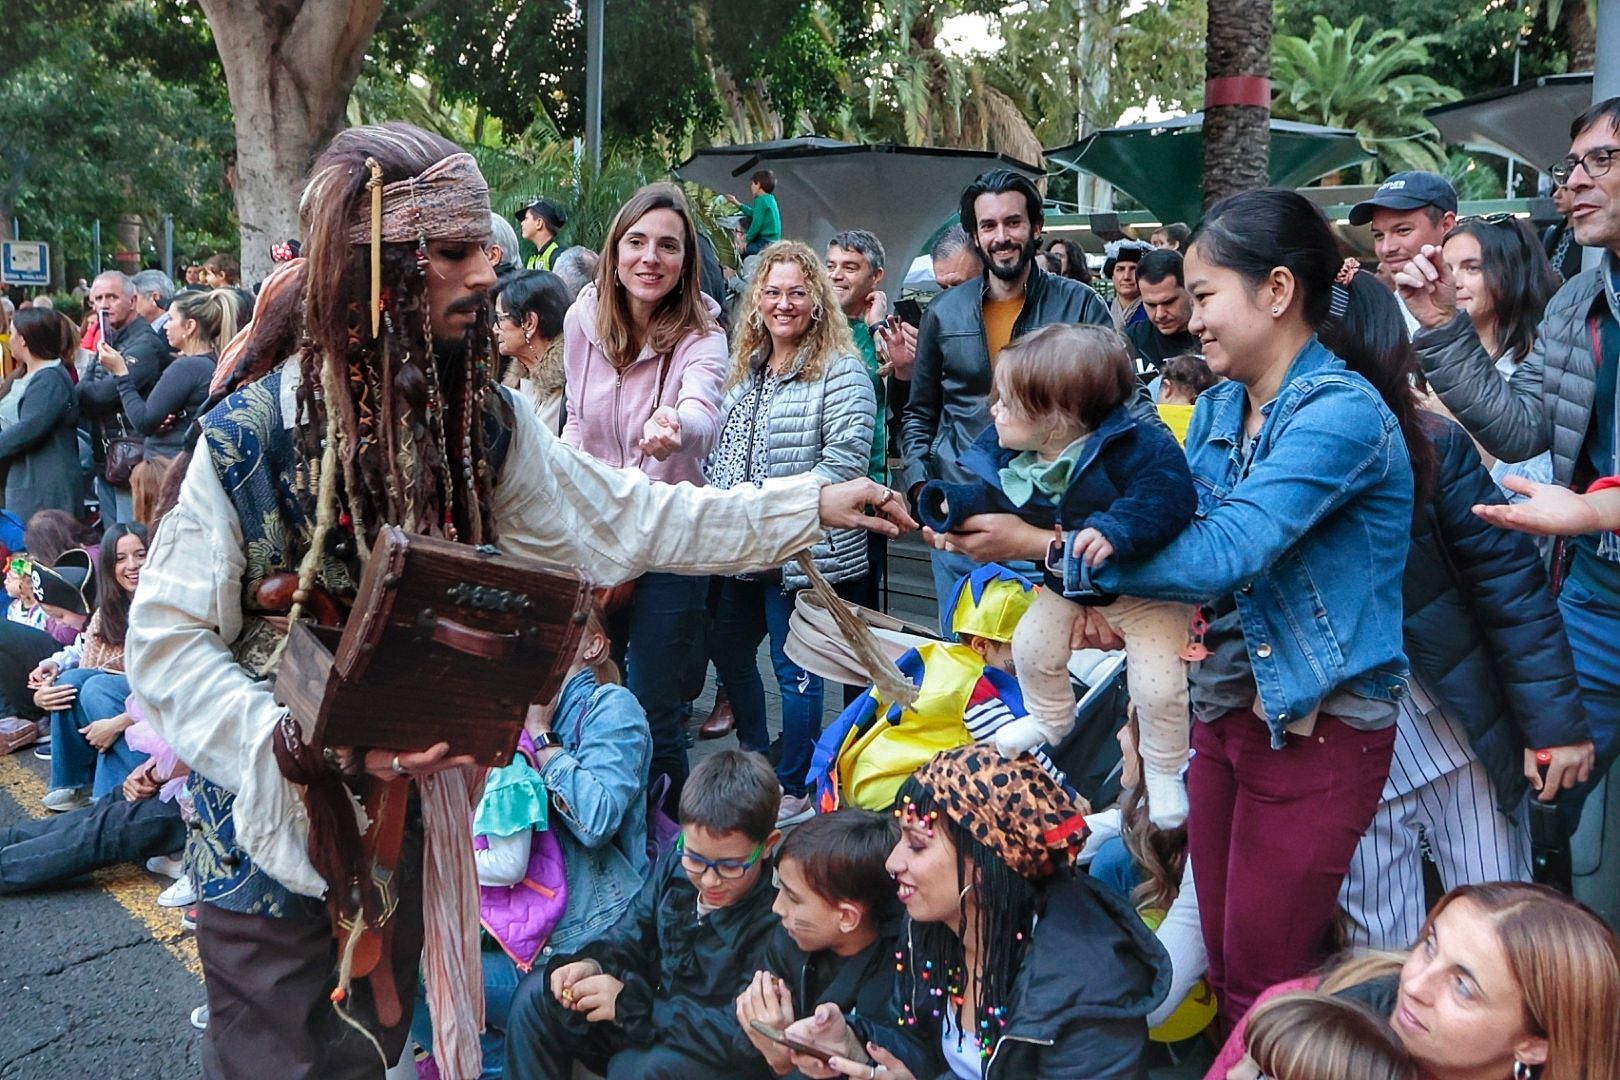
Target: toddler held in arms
<point>1065,453</point>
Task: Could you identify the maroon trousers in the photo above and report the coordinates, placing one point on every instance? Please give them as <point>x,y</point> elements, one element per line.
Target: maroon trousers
<point>1271,833</point>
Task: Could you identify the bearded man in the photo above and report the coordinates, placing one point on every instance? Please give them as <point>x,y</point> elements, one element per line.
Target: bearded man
<point>966,326</point>
<point>366,396</point>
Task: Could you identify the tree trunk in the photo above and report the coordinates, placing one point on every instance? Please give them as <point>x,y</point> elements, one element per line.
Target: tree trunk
<point>290,66</point>
<point>1580,34</point>
<point>1237,136</point>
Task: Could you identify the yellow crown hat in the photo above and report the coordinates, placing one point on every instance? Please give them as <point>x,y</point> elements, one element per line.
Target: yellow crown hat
<point>989,602</point>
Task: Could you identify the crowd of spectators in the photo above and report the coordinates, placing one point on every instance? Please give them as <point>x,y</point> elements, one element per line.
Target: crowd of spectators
<point>1295,493</point>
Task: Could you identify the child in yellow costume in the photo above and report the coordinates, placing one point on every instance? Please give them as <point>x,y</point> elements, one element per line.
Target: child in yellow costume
<point>965,692</point>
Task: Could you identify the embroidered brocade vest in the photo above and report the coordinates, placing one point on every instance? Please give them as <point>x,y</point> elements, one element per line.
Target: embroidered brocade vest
<point>253,451</point>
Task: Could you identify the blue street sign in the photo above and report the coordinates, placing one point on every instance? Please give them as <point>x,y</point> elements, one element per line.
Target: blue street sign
<point>25,262</point>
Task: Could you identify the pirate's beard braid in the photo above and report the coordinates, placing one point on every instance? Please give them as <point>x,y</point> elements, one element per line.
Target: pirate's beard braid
<point>408,429</point>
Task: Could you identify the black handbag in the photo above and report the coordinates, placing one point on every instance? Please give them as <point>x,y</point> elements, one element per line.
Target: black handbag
<point>124,452</point>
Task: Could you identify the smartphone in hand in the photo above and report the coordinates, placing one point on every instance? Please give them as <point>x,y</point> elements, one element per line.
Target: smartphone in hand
<point>798,1046</point>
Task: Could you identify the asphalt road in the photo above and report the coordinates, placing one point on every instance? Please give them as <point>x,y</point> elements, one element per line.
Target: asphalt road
<point>96,980</point>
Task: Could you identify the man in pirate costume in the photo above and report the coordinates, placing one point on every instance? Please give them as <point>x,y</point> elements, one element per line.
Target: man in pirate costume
<point>365,397</point>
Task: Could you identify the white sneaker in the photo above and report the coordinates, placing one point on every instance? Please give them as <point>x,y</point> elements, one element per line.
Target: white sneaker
<point>1167,798</point>
<point>199,1018</point>
<point>63,799</point>
<point>182,893</point>
<point>165,866</point>
<point>796,808</point>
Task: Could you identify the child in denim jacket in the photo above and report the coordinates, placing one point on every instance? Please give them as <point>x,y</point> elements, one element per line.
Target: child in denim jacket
<point>1065,453</point>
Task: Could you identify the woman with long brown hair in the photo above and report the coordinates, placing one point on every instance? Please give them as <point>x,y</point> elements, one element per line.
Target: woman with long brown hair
<point>798,400</point>
<point>1506,980</point>
<point>643,357</point>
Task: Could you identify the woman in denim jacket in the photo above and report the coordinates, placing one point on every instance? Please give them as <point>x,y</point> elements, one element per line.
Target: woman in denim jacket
<point>1305,487</point>
<point>1304,509</point>
<point>593,752</point>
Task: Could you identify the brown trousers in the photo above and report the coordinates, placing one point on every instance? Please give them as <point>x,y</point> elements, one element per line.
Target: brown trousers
<point>269,981</point>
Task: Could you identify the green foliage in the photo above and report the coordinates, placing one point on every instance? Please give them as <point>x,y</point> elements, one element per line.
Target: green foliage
<point>95,130</point>
<point>1369,85</point>
<point>1474,47</point>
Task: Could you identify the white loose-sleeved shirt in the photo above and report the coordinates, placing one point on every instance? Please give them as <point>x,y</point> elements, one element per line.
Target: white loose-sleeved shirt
<point>553,503</point>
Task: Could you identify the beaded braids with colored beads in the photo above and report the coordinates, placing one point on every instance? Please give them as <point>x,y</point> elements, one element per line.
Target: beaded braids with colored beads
<point>996,813</point>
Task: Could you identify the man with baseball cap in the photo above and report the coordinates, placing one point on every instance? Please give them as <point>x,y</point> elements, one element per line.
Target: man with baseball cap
<point>1408,210</point>
<point>540,222</point>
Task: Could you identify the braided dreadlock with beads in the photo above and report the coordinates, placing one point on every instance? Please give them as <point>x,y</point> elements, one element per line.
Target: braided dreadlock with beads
<point>932,961</point>
<point>409,429</point>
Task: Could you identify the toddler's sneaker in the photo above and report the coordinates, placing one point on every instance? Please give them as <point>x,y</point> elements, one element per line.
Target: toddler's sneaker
<point>199,1018</point>
<point>189,919</point>
<point>1167,797</point>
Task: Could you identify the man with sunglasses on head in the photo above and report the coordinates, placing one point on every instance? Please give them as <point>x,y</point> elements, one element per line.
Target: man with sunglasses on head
<point>1562,398</point>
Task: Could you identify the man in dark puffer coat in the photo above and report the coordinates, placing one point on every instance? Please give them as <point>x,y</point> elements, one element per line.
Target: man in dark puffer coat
<point>1493,681</point>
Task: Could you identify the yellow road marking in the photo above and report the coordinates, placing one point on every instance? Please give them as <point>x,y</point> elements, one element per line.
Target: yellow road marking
<point>130,885</point>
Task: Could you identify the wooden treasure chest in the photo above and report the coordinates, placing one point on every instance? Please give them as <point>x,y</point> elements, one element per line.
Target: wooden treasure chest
<point>445,643</point>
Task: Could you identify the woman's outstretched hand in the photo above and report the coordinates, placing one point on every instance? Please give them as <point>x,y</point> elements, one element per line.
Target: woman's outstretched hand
<point>865,504</point>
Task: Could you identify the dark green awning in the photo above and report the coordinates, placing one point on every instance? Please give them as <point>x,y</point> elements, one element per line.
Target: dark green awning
<point>1161,163</point>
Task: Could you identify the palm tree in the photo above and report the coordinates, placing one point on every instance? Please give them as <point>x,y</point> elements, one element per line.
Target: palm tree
<point>1237,137</point>
<point>1337,77</point>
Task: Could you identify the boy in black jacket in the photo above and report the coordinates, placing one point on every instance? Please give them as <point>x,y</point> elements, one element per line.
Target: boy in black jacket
<point>840,921</point>
<point>652,1000</point>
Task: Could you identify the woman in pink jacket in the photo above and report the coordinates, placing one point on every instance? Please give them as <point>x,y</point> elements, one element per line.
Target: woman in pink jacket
<point>644,358</point>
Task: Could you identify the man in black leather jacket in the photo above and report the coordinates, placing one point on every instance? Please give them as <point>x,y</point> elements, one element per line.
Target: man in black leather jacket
<point>147,354</point>
<point>950,385</point>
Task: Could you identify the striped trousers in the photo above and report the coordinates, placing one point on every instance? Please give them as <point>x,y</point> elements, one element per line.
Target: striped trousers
<point>1455,818</point>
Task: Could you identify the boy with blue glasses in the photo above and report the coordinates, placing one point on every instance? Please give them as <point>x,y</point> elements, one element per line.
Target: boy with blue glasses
<point>655,996</point>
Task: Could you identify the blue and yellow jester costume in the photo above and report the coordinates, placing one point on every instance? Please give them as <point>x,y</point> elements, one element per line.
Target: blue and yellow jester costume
<point>862,757</point>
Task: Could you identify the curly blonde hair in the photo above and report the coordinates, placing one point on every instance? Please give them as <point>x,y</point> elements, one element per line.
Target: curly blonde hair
<point>828,335</point>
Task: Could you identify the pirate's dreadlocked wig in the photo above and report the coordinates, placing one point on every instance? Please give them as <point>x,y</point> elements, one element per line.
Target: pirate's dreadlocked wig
<point>402,410</point>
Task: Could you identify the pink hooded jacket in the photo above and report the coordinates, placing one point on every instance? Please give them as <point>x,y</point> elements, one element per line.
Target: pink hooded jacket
<point>607,408</point>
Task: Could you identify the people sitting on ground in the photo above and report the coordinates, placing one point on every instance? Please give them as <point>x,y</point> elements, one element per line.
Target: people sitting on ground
<point>839,929</point>
<point>23,647</point>
<point>39,415</point>
<point>22,605</point>
<point>1007,953</point>
<point>1120,270</point>
<point>966,692</point>
<point>1492,683</point>
<point>529,310</point>
<point>798,400</point>
<point>200,323</point>
<point>655,995</point>
<point>83,685</point>
<point>141,820</point>
<point>1161,283</point>
<point>645,359</point>
<point>1182,379</point>
<point>1505,980</point>
<point>1314,1036</point>
<point>762,219</point>
<point>1066,451</point>
<point>1504,283</point>
<point>564,835</point>
<point>1149,867</point>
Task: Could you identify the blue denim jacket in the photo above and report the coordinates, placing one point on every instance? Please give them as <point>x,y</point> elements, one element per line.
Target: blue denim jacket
<point>1311,542</point>
<point>598,788</point>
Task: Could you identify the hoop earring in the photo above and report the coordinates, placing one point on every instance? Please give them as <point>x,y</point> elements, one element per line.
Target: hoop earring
<point>965,890</point>
<point>1523,1070</point>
